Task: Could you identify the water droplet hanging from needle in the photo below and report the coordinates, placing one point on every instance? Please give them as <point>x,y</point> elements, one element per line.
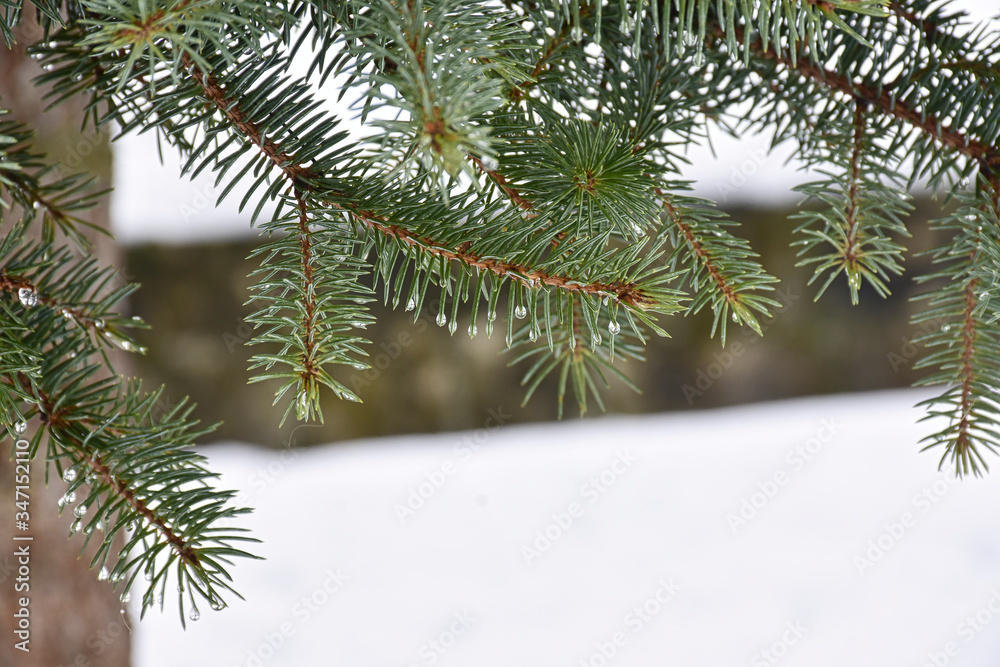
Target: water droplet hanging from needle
<point>27,296</point>
<point>489,163</point>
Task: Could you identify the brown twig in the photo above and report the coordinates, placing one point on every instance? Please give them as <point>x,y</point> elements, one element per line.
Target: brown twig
<point>698,249</point>
<point>930,124</point>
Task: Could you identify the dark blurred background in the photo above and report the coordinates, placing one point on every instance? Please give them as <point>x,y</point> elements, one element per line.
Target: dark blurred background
<point>193,297</point>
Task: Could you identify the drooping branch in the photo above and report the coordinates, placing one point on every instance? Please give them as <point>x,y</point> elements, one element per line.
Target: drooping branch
<point>967,373</point>
<point>851,242</point>
<point>698,249</point>
<point>59,418</point>
<point>121,488</point>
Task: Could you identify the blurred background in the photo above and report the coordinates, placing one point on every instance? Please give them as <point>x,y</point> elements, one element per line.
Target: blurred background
<point>427,380</point>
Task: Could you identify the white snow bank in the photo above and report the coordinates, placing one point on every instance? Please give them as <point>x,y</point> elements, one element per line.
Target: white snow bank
<point>612,542</point>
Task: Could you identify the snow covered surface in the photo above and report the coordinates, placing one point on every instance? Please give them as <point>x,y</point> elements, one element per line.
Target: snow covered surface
<point>806,532</point>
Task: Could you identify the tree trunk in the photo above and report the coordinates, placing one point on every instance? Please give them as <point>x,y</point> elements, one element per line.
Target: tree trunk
<point>75,620</point>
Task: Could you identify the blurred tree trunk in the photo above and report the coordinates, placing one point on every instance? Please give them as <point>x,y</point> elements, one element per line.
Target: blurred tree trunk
<point>76,620</point>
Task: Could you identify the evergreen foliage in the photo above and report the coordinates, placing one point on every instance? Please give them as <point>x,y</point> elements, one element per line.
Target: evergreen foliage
<point>524,158</point>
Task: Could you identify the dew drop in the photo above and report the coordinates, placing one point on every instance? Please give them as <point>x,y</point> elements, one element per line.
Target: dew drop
<point>627,24</point>
<point>103,574</point>
<point>136,318</point>
<point>100,525</point>
<point>491,316</point>
<point>147,575</point>
<point>946,327</point>
<point>595,340</point>
<point>520,312</point>
<point>964,182</point>
<point>442,319</point>
<point>20,428</point>
<point>130,526</point>
<point>217,604</point>
<point>736,318</point>
<point>125,597</point>
<point>70,497</point>
<point>532,336</point>
<point>489,163</point>
<point>576,33</point>
<point>473,330</point>
<point>80,510</point>
<point>69,475</point>
<point>194,615</point>
<point>77,525</point>
<point>614,328</point>
<point>99,324</point>
<point>453,327</point>
<point>411,304</point>
<point>27,296</point>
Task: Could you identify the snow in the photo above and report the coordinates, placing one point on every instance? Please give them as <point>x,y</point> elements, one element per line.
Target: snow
<point>853,548</point>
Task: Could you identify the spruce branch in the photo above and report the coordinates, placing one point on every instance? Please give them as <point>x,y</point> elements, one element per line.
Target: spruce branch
<point>858,208</point>
<point>883,99</point>
<point>964,352</point>
<point>57,313</point>
<point>718,266</point>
